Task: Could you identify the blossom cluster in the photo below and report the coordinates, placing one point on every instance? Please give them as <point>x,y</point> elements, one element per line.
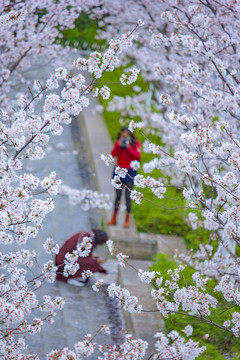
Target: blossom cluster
<point>157,187</point>
<point>130,77</point>
<point>128,302</point>
<point>107,159</point>
<point>175,346</point>
<point>116,182</point>
<point>122,259</point>
<point>137,196</point>
<point>133,125</point>
<point>85,197</point>
<point>83,249</point>
<point>129,349</point>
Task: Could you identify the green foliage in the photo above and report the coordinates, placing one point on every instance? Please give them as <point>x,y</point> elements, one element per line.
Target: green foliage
<point>220,344</point>
<point>215,119</point>
<point>193,238</point>
<point>102,224</point>
<point>83,34</point>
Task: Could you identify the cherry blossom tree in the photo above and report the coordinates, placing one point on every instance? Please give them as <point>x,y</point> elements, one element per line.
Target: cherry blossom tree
<point>29,29</point>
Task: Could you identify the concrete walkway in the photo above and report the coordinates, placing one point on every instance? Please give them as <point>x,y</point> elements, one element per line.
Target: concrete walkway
<point>85,311</point>
<point>138,246</point>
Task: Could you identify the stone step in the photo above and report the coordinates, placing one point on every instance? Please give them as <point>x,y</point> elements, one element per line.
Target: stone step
<point>143,245</point>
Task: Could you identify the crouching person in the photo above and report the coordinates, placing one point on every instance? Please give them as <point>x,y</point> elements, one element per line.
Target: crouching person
<point>90,262</point>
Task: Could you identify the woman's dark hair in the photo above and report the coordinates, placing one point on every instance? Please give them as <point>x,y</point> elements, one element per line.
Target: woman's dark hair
<point>100,236</point>
<point>133,138</point>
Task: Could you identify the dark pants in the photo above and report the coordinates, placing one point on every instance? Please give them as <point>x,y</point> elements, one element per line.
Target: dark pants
<point>127,187</point>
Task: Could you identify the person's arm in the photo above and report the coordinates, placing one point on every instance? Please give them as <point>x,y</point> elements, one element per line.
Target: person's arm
<point>116,149</point>
<point>90,263</point>
<point>135,150</point>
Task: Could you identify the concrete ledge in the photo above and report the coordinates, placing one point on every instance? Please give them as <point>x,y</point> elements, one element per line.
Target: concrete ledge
<point>170,244</point>
<point>145,324</point>
<point>136,250</point>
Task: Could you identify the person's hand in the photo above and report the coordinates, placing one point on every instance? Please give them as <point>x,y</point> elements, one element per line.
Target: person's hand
<point>124,142</point>
<point>99,259</point>
<point>120,142</point>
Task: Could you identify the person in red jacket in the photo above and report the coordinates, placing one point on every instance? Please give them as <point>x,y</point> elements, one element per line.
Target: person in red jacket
<point>90,262</point>
<point>126,149</point>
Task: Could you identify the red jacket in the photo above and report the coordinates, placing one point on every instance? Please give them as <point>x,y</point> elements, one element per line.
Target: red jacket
<point>85,263</point>
<point>126,155</point>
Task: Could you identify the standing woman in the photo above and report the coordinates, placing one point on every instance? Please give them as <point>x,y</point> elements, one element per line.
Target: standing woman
<point>127,148</point>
